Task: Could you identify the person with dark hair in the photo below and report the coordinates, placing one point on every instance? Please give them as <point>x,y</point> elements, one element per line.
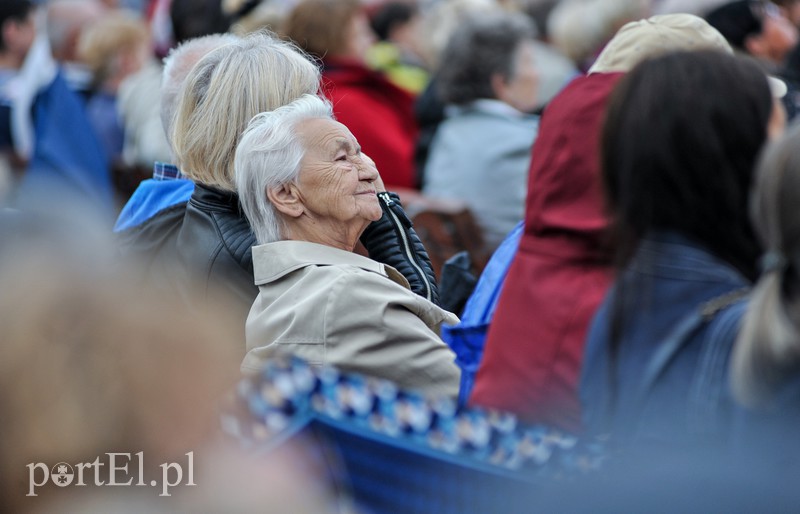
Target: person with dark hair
<point>756,27</point>
<point>54,146</point>
<point>196,18</point>
<point>396,53</point>
<point>17,31</point>
<point>379,113</point>
<point>16,21</point>
<point>679,143</point>
<point>762,30</point>
<point>481,152</point>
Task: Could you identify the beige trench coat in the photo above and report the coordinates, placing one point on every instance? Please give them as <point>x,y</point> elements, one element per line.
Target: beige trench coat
<point>329,306</point>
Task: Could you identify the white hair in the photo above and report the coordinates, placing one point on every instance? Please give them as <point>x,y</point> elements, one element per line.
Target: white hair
<point>578,28</point>
<point>268,156</point>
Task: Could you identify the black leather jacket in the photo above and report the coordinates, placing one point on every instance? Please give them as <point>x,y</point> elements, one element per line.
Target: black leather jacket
<point>213,245</point>
<point>392,240</point>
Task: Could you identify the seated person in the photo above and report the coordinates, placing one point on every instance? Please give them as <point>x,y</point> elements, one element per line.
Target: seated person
<point>560,274</point>
<point>378,112</point>
<point>482,150</point>
<point>765,367</point>
<point>309,193</point>
<point>168,187</point>
<point>657,351</point>
<point>235,82</point>
<point>113,48</point>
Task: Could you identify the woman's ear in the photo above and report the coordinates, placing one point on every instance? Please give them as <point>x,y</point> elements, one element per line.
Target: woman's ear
<point>499,85</point>
<point>285,198</point>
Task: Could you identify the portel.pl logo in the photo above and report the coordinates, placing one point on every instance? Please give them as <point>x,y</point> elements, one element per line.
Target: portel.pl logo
<point>113,473</point>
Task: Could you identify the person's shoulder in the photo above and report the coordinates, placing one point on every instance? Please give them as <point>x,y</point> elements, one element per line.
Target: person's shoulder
<point>358,282</point>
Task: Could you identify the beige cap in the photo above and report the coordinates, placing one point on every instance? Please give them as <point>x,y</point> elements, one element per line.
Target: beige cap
<point>639,40</point>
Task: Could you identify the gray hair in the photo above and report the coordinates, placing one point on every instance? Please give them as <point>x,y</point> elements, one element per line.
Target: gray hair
<point>269,156</point>
<point>578,28</point>
<point>66,19</point>
<point>177,66</point>
<point>484,46</point>
<point>224,91</point>
<point>767,351</point>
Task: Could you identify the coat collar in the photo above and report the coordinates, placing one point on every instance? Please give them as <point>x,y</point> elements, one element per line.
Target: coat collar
<point>272,261</point>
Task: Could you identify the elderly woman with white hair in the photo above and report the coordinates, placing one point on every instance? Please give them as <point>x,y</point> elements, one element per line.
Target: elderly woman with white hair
<point>221,94</point>
<point>309,193</point>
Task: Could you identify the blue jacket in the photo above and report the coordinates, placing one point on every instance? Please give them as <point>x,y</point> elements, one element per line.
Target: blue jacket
<point>667,282</point>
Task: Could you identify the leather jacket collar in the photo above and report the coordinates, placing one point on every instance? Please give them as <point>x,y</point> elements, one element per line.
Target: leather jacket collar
<point>212,198</point>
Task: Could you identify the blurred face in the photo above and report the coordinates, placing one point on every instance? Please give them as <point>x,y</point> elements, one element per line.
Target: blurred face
<point>792,12</point>
<point>360,37</point>
<point>521,90</point>
<point>19,36</point>
<point>336,183</point>
<point>779,35</point>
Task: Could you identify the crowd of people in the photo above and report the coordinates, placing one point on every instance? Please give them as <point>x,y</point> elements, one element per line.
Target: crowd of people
<point>194,189</point>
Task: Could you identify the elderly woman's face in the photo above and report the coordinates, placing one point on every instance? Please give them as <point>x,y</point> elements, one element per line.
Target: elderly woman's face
<point>336,182</point>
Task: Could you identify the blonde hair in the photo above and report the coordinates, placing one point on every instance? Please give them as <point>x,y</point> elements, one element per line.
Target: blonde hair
<point>579,28</point>
<point>102,43</point>
<point>767,351</point>
<point>177,66</point>
<point>224,90</point>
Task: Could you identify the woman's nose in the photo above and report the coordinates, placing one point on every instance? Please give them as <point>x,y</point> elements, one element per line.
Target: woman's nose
<point>367,169</point>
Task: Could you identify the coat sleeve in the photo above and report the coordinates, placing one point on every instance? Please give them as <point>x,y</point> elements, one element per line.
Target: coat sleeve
<point>375,327</point>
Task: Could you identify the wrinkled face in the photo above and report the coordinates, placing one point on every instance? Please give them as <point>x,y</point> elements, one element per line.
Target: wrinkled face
<point>336,183</point>
<point>522,88</point>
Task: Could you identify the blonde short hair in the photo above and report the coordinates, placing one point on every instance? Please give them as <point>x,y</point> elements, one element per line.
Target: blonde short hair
<point>177,66</point>
<point>104,41</point>
<point>224,91</point>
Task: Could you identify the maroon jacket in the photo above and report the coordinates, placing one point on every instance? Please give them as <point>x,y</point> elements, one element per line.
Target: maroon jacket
<point>532,358</point>
<point>379,114</point>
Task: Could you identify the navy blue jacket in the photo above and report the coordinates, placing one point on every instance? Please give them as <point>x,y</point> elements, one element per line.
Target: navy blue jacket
<point>667,283</point>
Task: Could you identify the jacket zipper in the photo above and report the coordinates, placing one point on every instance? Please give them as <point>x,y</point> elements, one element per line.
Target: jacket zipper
<point>408,251</point>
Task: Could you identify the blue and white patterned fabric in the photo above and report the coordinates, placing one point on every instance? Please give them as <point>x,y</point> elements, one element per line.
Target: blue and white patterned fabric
<point>403,452</point>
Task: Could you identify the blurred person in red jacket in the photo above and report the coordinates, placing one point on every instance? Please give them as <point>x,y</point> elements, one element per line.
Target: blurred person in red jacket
<point>378,113</point>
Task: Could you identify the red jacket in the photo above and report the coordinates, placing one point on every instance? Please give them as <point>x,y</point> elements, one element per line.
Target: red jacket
<point>532,358</point>
<point>379,114</point>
